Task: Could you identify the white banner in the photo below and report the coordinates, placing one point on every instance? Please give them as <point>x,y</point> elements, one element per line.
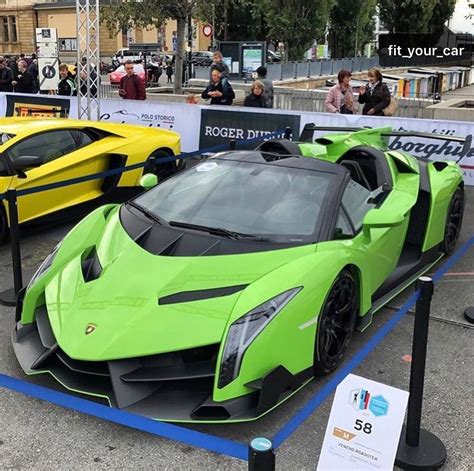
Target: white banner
<point>185,119</point>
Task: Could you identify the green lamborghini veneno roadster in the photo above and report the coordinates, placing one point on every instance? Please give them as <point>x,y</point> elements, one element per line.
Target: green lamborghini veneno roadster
<point>217,294</point>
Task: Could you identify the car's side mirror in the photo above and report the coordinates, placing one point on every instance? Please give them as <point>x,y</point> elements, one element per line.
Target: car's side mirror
<point>149,180</point>
<point>377,218</point>
<point>25,162</point>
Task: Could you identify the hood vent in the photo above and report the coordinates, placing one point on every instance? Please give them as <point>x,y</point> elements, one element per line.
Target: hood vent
<point>198,295</point>
<point>91,267</point>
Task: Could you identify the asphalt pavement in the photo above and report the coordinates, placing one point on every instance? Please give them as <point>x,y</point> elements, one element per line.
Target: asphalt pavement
<point>38,435</point>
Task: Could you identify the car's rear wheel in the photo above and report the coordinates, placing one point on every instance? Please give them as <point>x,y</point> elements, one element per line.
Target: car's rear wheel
<point>453,225</point>
<point>336,323</point>
<point>161,170</point>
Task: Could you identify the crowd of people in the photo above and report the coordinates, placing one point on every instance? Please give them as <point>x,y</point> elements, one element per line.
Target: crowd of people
<point>374,95</point>
<point>19,74</point>
<point>68,82</point>
<point>220,90</point>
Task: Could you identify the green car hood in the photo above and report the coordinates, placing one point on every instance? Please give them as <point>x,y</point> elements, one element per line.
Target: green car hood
<point>117,315</point>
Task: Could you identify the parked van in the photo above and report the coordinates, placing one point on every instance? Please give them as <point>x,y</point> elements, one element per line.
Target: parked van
<point>126,54</point>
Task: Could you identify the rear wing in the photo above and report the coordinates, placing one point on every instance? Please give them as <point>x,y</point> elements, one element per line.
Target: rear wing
<point>309,129</point>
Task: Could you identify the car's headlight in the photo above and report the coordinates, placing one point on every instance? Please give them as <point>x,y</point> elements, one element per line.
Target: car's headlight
<point>44,267</point>
<point>244,331</point>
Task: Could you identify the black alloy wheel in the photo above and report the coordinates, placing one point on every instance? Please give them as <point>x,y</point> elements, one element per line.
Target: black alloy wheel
<point>453,222</point>
<point>336,323</point>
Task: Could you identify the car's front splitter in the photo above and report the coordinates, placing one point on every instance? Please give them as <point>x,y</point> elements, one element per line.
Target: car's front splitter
<point>174,386</point>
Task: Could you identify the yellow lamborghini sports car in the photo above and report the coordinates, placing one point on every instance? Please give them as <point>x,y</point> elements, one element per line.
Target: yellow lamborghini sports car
<point>36,152</point>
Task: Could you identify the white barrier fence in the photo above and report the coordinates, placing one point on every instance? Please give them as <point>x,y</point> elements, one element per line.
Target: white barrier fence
<point>186,120</point>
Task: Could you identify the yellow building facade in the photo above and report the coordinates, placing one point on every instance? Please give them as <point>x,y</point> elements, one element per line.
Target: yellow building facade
<point>19,18</point>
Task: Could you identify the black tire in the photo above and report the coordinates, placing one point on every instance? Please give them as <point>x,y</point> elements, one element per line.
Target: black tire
<point>336,323</point>
<point>161,170</point>
<point>4,230</point>
<point>452,229</point>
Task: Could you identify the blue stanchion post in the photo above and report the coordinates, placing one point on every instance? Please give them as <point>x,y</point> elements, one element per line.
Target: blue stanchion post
<point>232,144</point>
<point>261,455</point>
<point>9,296</point>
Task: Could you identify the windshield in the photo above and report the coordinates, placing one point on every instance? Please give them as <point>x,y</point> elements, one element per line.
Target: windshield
<point>281,203</point>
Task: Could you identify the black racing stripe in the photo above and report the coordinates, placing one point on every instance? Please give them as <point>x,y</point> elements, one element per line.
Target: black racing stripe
<point>187,296</point>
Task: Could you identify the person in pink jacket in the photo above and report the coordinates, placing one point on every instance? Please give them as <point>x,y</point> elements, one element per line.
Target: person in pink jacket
<point>340,98</point>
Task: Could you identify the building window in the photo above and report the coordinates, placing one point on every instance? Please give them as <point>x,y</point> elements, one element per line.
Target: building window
<point>5,35</point>
<point>68,44</point>
<point>13,31</point>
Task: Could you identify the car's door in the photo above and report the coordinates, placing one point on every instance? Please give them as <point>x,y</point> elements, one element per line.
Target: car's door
<point>65,154</point>
<point>381,246</point>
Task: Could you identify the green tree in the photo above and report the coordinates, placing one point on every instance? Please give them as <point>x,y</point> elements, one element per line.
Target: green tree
<point>296,23</point>
<point>351,27</point>
<point>443,12</point>
<point>130,14</point>
<point>407,16</point>
<point>236,20</point>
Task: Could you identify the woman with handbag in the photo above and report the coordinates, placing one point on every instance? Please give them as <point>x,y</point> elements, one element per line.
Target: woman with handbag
<point>340,98</point>
<point>375,96</point>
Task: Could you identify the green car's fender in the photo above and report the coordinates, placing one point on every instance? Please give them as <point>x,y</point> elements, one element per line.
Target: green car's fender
<point>288,339</point>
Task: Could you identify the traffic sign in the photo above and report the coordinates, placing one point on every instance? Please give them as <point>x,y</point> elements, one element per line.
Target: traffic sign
<point>48,69</point>
<point>207,30</point>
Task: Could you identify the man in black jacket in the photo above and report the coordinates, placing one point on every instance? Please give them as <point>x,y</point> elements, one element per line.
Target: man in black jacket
<point>24,82</point>
<point>33,70</point>
<point>6,76</point>
<point>67,85</point>
<point>219,90</point>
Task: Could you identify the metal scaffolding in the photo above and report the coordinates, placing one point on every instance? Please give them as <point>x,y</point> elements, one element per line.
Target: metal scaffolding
<point>88,59</point>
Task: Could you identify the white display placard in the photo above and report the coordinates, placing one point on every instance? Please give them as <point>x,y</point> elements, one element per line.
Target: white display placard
<point>364,426</point>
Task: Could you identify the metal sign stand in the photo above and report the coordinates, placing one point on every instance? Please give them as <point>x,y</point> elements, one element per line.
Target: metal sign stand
<point>88,59</point>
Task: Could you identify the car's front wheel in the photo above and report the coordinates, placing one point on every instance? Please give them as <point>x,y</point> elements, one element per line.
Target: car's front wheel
<point>452,229</point>
<point>336,323</point>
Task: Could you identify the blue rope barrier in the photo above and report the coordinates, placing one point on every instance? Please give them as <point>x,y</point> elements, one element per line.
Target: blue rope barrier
<point>155,427</point>
<point>117,171</point>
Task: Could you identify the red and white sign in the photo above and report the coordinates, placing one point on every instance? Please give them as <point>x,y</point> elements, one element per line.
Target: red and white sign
<point>207,30</point>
